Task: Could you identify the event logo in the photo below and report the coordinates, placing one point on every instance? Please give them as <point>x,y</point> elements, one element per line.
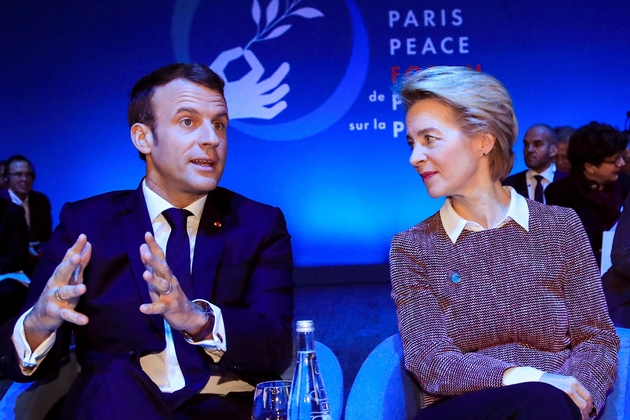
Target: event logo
<point>254,98</point>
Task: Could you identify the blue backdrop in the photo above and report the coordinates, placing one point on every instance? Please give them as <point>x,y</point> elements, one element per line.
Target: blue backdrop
<point>333,155</point>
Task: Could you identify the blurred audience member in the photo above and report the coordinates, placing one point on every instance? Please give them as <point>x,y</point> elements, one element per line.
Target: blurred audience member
<point>540,149</point>
<point>13,259</point>
<point>595,189</point>
<point>3,184</point>
<point>626,155</point>
<point>616,280</point>
<point>19,174</point>
<point>564,133</point>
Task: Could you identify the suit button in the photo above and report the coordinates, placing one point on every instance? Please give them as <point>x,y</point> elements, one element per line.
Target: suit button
<point>133,353</point>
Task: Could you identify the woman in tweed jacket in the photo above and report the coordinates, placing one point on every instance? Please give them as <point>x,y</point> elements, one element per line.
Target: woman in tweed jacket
<point>499,301</point>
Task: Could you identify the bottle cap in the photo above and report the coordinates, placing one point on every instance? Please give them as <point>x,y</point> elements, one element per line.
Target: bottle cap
<point>305,326</point>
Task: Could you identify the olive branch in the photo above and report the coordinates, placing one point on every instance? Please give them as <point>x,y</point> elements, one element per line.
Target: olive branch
<point>272,28</point>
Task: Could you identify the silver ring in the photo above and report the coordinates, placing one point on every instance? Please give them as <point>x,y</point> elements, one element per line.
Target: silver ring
<point>59,297</point>
<point>170,289</point>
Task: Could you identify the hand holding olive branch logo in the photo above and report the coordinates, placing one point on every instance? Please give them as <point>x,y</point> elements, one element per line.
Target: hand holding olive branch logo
<point>248,97</point>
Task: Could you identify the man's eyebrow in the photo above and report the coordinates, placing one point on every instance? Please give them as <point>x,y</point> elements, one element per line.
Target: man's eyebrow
<point>186,110</point>
<point>222,114</point>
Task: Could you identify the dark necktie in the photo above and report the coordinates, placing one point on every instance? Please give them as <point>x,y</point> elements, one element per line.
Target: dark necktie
<point>538,190</point>
<point>195,369</point>
<point>178,247</point>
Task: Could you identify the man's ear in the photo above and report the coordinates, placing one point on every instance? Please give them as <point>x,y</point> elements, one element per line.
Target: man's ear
<point>553,150</point>
<point>142,138</point>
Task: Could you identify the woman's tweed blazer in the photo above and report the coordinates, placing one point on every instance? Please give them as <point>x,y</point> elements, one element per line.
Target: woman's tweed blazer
<point>524,298</point>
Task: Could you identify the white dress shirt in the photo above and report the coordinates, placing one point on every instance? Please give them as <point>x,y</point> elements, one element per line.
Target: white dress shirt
<point>24,203</point>
<point>547,178</point>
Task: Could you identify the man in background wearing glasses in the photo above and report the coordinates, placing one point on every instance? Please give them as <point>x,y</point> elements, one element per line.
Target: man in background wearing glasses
<point>19,175</point>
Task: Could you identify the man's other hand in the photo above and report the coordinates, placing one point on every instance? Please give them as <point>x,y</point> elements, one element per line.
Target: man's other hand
<point>167,297</point>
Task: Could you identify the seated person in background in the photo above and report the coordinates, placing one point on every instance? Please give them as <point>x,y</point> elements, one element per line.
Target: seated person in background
<point>490,291</point>
<point>3,183</point>
<point>594,189</point>
<point>616,280</point>
<point>182,300</point>
<point>13,258</point>
<point>19,174</point>
<point>540,149</point>
<point>626,155</point>
<point>563,133</point>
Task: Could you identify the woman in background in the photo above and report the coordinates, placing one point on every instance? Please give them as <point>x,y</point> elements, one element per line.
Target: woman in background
<point>490,291</point>
<point>595,187</point>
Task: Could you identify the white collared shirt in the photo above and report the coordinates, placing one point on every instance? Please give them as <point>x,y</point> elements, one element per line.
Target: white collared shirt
<point>454,224</point>
<point>152,364</point>
<point>547,178</point>
<point>24,203</point>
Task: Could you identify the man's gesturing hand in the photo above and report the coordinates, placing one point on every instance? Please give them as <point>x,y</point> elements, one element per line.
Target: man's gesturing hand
<point>167,297</point>
<point>60,296</point>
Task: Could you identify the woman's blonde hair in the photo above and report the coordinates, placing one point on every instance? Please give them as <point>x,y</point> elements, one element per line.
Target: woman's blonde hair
<point>481,105</point>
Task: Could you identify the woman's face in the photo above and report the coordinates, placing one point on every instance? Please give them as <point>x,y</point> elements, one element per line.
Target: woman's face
<point>446,159</point>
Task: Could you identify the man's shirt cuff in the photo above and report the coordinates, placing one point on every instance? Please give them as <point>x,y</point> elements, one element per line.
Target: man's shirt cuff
<point>215,345</point>
<point>30,359</point>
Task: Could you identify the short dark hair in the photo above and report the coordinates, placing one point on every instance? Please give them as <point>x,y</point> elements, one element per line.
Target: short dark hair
<point>16,158</point>
<point>564,133</point>
<point>140,108</point>
<point>551,134</point>
<point>593,143</point>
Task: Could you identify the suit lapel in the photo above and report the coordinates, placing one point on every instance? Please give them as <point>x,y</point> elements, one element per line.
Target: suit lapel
<point>521,185</point>
<point>135,222</point>
<point>211,238</point>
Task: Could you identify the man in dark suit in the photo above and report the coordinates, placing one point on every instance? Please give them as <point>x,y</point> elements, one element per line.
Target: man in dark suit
<point>616,280</point>
<point>19,174</point>
<point>181,334</point>
<point>540,148</point>
<point>13,258</point>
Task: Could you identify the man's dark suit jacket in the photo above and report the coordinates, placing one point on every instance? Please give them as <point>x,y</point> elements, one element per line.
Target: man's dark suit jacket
<point>13,238</point>
<point>616,281</point>
<point>518,181</point>
<point>242,264</point>
<point>41,218</point>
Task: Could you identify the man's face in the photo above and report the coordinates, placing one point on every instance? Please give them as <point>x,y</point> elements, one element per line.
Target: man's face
<point>3,184</point>
<point>21,178</point>
<point>538,151</point>
<point>562,157</point>
<point>626,157</point>
<point>188,147</point>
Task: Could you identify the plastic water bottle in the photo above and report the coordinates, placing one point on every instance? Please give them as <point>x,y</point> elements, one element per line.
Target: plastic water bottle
<point>308,400</point>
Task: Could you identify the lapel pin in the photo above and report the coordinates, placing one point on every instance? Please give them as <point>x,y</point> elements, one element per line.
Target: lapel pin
<point>217,224</point>
<point>454,276</point>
